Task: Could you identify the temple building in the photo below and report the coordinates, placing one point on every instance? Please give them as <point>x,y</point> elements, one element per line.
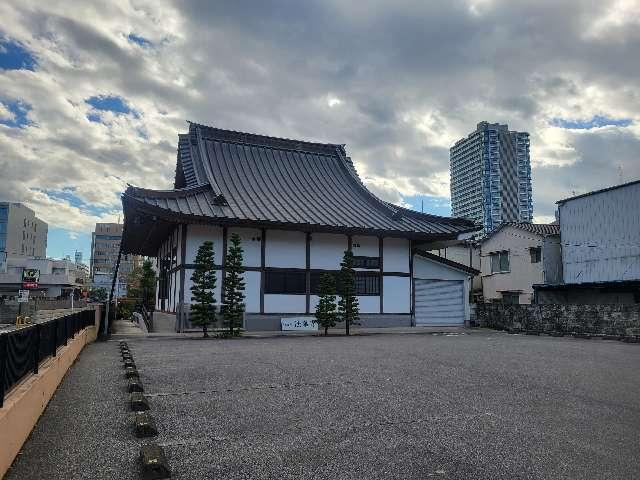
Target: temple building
<point>297,207</point>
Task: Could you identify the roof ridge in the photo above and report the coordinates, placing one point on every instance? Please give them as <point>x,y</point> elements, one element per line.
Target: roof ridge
<point>132,190</point>
<point>416,214</point>
<point>215,133</point>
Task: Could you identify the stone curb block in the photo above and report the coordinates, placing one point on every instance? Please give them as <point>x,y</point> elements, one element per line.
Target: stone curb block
<point>154,463</point>
<point>131,373</point>
<point>144,425</point>
<point>138,402</point>
<point>135,385</point>
<point>129,364</point>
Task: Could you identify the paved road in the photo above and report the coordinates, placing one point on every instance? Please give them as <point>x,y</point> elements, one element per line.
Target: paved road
<point>479,406</point>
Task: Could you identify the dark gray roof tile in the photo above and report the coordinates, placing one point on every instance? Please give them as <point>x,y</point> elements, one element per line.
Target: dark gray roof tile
<point>282,181</point>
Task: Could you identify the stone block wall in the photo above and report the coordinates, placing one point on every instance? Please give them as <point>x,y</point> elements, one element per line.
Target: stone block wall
<point>619,320</point>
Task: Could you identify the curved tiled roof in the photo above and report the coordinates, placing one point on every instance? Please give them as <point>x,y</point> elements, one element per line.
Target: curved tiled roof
<point>246,178</point>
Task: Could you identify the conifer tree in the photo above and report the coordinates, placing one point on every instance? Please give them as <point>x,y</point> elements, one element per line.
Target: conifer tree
<point>326,314</point>
<point>233,286</point>
<point>203,309</point>
<point>348,309</point>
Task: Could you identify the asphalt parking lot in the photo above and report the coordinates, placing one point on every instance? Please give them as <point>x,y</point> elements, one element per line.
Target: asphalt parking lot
<point>484,405</point>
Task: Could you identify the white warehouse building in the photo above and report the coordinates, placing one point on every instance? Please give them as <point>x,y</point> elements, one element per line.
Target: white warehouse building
<point>600,241</point>
<point>297,207</point>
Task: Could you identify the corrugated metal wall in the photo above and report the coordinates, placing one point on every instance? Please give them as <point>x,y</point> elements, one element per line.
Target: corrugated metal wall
<point>600,236</point>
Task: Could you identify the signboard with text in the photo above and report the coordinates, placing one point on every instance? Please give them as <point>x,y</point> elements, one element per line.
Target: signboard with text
<point>23,296</point>
<point>299,323</point>
<point>30,278</point>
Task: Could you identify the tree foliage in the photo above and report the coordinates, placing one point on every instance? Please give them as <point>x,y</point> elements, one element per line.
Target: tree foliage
<point>142,284</point>
<point>326,314</point>
<point>99,294</point>
<point>233,286</point>
<point>203,308</point>
<point>348,309</point>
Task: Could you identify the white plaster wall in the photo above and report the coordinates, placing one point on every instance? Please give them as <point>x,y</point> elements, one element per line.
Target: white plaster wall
<point>461,254</point>
<point>252,292</point>
<point>430,270</point>
<point>365,246</point>
<point>197,234</point>
<point>327,250</point>
<point>286,249</point>
<point>284,303</point>
<point>251,245</point>
<point>396,294</point>
<point>368,304</point>
<point>522,275</point>
<point>396,255</point>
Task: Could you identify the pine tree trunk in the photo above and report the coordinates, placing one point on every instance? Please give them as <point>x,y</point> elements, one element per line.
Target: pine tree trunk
<point>204,331</point>
<point>346,323</point>
<point>326,331</point>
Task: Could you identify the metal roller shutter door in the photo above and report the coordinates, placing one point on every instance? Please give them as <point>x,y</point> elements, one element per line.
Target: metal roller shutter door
<point>439,302</point>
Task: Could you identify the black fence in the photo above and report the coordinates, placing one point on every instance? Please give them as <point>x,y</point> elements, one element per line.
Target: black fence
<point>22,350</point>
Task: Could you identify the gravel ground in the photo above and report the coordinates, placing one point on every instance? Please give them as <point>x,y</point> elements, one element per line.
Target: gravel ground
<point>485,405</point>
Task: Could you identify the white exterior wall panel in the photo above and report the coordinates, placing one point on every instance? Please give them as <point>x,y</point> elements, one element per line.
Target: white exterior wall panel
<point>327,250</point>
<point>396,255</point>
<point>285,249</point>
<point>365,246</point>
<point>284,303</point>
<point>368,303</point>
<point>252,292</point>
<point>396,294</point>
<point>251,245</point>
<point>197,234</point>
<point>600,236</point>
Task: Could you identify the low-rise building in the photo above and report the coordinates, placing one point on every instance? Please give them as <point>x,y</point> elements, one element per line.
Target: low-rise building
<point>105,248</point>
<point>22,234</point>
<point>55,278</point>
<point>517,256</point>
<point>600,235</point>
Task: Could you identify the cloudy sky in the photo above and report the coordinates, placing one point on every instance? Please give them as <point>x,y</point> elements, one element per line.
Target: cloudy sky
<point>93,95</point>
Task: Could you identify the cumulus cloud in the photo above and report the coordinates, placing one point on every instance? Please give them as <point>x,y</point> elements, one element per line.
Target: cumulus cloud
<point>398,82</point>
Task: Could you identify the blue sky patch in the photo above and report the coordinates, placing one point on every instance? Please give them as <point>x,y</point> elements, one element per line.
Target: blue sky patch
<point>595,122</point>
<point>61,242</point>
<point>94,117</point>
<point>143,42</point>
<point>109,103</point>
<point>13,56</point>
<point>20,111</point>
<point>433,205</point>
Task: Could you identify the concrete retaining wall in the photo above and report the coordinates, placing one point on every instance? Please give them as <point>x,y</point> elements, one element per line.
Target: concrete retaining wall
<point>621,320</point>
<point>25,403</point>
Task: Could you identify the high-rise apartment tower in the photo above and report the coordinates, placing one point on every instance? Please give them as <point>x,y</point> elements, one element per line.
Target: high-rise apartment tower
<point>491,176</point>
